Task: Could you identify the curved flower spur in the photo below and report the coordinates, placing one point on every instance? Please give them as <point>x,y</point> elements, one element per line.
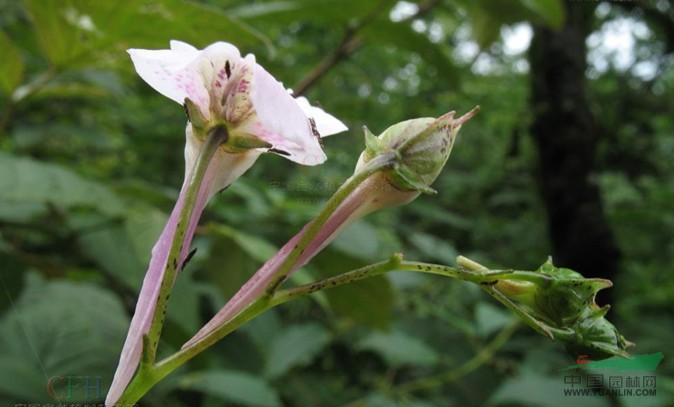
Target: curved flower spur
<point>237,111</point>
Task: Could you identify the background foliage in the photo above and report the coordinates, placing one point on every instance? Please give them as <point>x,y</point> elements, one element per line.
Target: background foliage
<point>91,162</point>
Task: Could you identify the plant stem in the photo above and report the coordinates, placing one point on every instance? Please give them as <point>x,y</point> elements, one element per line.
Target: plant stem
<point>378,163</point>
<point>214,138</point>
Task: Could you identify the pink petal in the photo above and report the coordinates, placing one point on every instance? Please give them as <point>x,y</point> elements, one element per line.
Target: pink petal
<point>281,122</point>
<point>169,73</point>
<point>326,124</point>
<point>370,196</point>
<point>223,169</point>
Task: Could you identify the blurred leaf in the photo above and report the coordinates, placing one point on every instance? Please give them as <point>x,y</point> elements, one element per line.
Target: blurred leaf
<point>359,240</point>
<point>550,12</point>
<point>143,225</point>
<point>28,181</point>
<point>398,348</point>
<point>367,301</point>
<point>530,390</point>
<point>490,319</point>
<point>11,65</point>
<point>59,328</point>
<point>295,346</point>
<point>256,247</point>
<point>113,251</point>
<point>228,265</point>
<point>232,386</point>
<point>70,31</point>
<point>288,11</point>
<point>434,248</point>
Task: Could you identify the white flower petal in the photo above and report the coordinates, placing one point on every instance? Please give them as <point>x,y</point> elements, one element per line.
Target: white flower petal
<point>281,122</point>
<point>168,73</point>
<point>326,124</point>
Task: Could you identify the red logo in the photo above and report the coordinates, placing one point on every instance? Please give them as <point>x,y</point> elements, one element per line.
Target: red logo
<point>582,360</point>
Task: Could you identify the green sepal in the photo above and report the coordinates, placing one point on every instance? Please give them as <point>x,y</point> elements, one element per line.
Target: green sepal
<point>194,114</point>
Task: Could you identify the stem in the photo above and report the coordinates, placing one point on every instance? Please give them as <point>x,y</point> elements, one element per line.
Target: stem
<point>150,374</point>
<point>376,164</point>
<point>214,138</point>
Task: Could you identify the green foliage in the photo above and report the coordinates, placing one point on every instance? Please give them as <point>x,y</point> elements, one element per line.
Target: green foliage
<point>91,160</point>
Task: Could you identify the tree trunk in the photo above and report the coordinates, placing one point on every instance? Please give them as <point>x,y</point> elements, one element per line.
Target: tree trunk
<point>566,136</point>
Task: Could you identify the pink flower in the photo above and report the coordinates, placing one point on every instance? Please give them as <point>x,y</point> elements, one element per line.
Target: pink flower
<point>218,88</point>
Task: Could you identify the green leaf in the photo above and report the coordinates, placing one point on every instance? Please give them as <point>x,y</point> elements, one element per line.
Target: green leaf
<point>232,386</point>
<point>59,329</point>
<point>295,346</point>
<point>434,248</point>
<point>366,301</point>
<point>398,348</point>
<point>94,33</point>
<point>11,65</point>
<point>26,181</point>
<point>359,240</point>
<point>550,12</point>
<point>490,319</point>
<point>258,248</point>
<point>530,390</point>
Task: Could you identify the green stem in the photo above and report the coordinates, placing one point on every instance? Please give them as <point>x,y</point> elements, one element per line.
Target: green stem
<point>214,139</point>
<point>150,374</point>
<point>376,164</point>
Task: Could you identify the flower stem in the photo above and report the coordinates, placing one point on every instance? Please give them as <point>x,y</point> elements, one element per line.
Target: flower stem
<point>378,163</point>
<point>214,138</point>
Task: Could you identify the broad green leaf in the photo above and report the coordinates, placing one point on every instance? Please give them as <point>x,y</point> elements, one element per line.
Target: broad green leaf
<point>367,301</point>
<point>143,225</point>
<point>95,33</point>
<point>232,386</point>
<point>398,348</point>
<point>27,181</point>
<point>63,329</point>
<point>295,346</point>
<point>11,65</point>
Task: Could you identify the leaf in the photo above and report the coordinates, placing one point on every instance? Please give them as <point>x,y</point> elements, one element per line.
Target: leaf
<point>434,248</point>
<point>398,348</point>
<point>366,301</point>
<point>530,390</point>
<point>59,329</point>
<point>94,33</point>
<point>11,65</point>
<point>258,248</point>
<point>295,346</point>
<point>27,181</point>
<point>490,319</point>
<point>359,240</point>
<point>232,386</point>
<point>550,12</point>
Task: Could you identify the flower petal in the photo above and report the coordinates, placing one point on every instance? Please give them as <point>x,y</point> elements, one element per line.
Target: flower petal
<point>326,124</point>
<point>171,73</point>
<point>281,122</point>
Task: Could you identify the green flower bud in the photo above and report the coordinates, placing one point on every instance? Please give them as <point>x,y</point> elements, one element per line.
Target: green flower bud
<point>419,149</point>
<point>563,301</point>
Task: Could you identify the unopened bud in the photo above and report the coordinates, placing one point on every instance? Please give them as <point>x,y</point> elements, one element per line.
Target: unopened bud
<point>420,148</point>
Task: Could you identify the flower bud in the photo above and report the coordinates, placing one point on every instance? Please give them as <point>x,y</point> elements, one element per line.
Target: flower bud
<point>419,149</point>
<point>564,301</point>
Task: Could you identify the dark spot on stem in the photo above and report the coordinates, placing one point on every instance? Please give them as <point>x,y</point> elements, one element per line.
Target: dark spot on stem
<point>188,258</point>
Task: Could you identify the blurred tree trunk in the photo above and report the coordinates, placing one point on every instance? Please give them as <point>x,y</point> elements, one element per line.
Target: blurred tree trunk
<point>566,137</point>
